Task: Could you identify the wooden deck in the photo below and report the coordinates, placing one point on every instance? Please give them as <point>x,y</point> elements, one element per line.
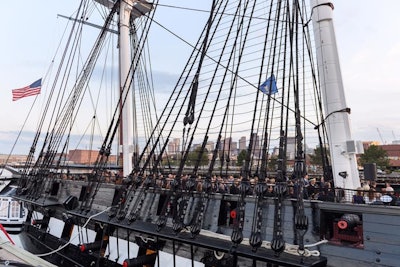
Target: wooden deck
<point>14,254</point>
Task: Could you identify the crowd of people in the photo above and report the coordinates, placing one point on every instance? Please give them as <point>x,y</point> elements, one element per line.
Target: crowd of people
<point>370,193</point>
<point>313,189</point>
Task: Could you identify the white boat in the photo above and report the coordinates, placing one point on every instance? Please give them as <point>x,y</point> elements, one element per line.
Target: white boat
<point>12,212</point>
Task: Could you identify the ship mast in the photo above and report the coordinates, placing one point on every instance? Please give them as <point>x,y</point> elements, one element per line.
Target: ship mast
<point>129,9</point>
<point>126,128</point>
<point>342,147</point>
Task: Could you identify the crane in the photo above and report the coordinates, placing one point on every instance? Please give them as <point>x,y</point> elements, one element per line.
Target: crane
<point>380,135</point>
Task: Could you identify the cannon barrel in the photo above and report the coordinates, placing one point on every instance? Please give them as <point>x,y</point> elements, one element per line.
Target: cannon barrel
<point>348,221</point>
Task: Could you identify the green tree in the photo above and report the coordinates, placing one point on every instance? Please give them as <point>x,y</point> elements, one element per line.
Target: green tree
<point>194,155</point>
<point>272,163</point>
<point>316,158</point>
<point>241,158</point>
<point>375,154</point>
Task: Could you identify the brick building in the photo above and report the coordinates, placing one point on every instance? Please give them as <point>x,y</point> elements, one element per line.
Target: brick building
<point>12,159</point>
<point>393,152</point>
<point>83,156</point>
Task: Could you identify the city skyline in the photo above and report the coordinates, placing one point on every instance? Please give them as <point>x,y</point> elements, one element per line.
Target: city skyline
<point>174,146</point>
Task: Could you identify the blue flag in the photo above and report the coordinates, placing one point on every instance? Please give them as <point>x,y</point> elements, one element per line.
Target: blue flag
<point>269,86</point>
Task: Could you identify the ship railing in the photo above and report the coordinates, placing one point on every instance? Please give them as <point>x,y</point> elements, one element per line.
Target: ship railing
<point>314,189</point>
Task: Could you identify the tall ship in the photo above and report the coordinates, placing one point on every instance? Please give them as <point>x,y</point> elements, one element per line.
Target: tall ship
<point>183,192</point>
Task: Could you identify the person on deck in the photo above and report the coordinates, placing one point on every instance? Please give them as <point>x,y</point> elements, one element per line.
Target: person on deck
<point>312,189</point>
<point>370,197</point>
<point>390,194</point>
<point>358,197</point>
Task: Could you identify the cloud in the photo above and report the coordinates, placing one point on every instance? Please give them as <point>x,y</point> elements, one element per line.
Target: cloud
<point>164,82</point>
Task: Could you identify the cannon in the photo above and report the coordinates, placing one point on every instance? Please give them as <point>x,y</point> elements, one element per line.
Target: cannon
<point>348,228</point>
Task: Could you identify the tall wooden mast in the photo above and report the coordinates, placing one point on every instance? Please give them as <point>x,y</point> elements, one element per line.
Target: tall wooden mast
<point>342,147</point>
<point>125,58</point>
<point>129,10</point>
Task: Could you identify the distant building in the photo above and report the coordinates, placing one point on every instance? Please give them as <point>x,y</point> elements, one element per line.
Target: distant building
<point>367,144</point>
<point>393,152</point>
<point>195,147</point>
<point>87,157</point>
<point>83,156</point>
<point>60,157</point>
<point>291,148</point>
<point>234,148</point>
<point>174,146</point>
<point>229,145</point>
<point>242,143</point>
<point>210,146</point>
<point>256,144</point>
<point>275,151</point>
<point>226,144</point>
<point>13,159</point>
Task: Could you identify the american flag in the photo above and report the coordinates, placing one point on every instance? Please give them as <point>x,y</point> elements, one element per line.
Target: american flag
<point>33,89</point>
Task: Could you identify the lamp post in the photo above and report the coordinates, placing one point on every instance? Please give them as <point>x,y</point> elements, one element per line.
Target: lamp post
<point>347,110</point>
<point>326,166</point>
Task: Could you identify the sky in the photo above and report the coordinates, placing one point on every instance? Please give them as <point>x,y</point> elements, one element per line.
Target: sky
<point>367,34</point>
